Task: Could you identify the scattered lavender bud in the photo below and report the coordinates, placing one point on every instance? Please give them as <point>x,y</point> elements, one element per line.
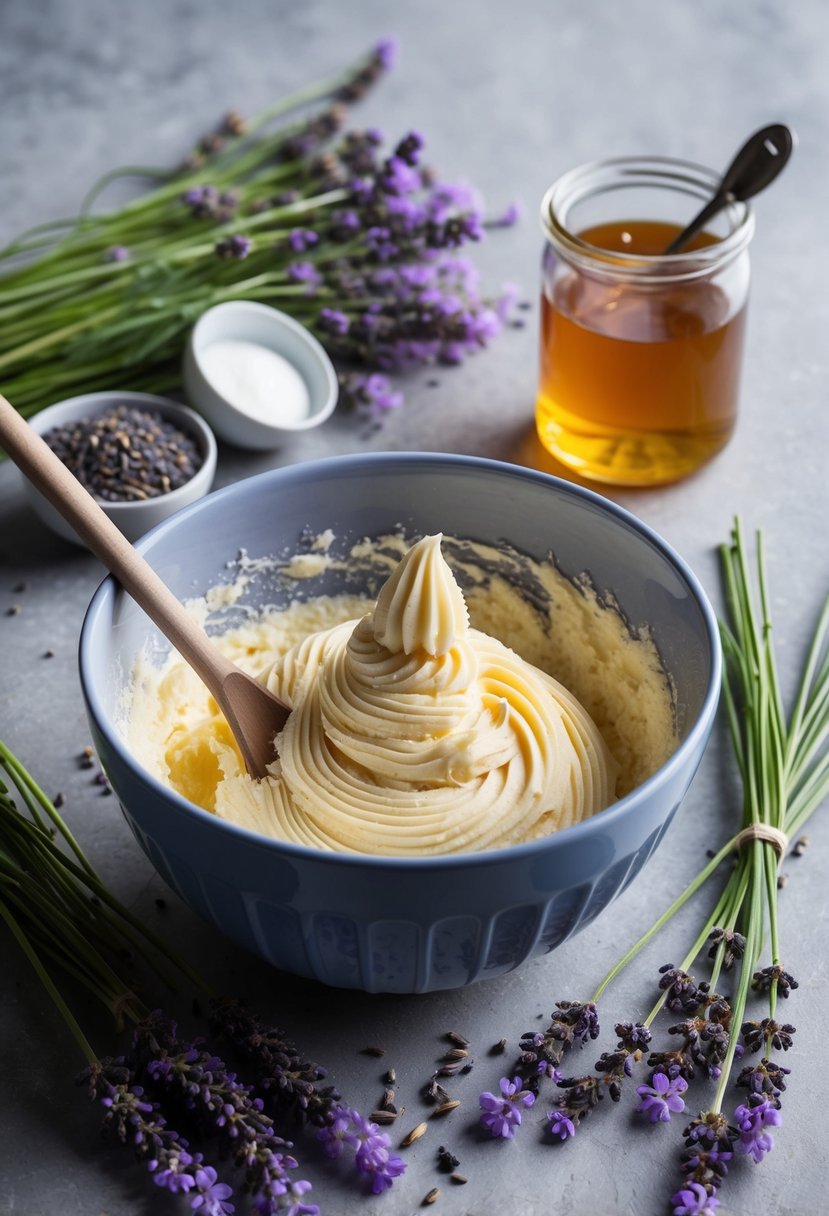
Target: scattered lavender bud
<point>447,1161</point>
<point>455,1037</point>
<point>415,1134</point>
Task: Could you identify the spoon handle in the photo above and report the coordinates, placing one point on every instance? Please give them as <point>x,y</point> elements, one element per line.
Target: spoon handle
<point>698,222</point>
<point>54,481</point>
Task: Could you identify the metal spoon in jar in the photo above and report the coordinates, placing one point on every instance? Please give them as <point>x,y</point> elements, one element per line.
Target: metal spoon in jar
<point>254,715</point>
<point>754,167</point>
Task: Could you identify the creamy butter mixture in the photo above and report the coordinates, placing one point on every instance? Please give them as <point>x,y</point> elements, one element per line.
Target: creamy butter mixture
<point>412,732</point>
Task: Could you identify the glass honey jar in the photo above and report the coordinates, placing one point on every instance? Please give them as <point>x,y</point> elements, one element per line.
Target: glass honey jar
<point>641,351</point>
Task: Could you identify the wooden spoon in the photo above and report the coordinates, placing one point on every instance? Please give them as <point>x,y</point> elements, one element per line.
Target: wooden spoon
<point>254,715</point>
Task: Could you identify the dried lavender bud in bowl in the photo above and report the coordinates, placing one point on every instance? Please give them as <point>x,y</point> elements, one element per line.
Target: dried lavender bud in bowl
<point>142,457</point>
<point>126,454</point>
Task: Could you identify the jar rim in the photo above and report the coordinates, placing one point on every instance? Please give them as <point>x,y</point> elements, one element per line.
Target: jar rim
<point>614,173</point>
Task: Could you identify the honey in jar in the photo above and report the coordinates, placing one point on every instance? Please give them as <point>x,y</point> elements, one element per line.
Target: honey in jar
<point>641,352</point>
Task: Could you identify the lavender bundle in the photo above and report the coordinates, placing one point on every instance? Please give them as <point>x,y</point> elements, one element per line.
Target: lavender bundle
<point>363,248</point>
<point>62,916</point>
<point>784,769</point>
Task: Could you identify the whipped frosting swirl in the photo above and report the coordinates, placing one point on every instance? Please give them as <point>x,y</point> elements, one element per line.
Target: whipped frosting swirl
<point>412,734</point>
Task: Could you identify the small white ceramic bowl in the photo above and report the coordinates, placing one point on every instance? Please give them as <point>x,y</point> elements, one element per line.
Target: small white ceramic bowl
<point>246,321</point>
<point>132,518</point>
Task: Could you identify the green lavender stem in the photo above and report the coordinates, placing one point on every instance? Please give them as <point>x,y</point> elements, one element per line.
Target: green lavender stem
<point>44,977</point>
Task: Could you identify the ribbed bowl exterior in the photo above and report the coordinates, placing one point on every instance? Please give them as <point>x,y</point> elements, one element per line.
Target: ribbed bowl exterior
<point>389,924</point>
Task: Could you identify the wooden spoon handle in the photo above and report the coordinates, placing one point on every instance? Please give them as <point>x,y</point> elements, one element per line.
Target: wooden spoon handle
<point>52,478</point>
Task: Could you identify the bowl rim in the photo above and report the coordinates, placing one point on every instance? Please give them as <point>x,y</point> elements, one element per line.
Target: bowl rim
<point>280,321</point>
<point>618,810</point>
<point>97,402</point>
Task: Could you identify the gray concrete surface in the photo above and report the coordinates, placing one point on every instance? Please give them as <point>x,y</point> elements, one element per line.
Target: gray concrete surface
<point>509,96</point>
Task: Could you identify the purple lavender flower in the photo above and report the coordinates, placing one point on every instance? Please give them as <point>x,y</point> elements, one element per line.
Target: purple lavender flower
<point>385,53</point>
<point>373,1157</point>
<point>561,1125</point>
<point>371,396</point>
<point>345,224</point>
<point>417,276</point>
<point>381,1166</point>
<point>709,1129</point>
<point>683,995</point>
<point>379,394</point>
<point>661,1099</point>
<point>301,239</point>
<point>501,1113</point>
<point>455,231</point>
<point>211,1197</point>
<point>296,1204</point>
<point>379,242</point>
<point>117,253</point>
<point>305,272</point>
<point>544,1068</point>
<point>284,1076</point>
<point>774,976</point>
<point>410,147</point>
<point>398,177</point>
<point>506,302</point>
<point>203,201</point>
<point>510,216</point>
<point>767,1077</point>
<point>235,247</point>
<point>778,1035</point>
<point>142,1124</point>
<point>332,321</point>
<point>751,1122</point>
<point>633,1035</point>
<point>694,1200</point>
<point>173,1168</point>
<point>447,199</point>
<point>338,1133</point>
<point>707,1167</point>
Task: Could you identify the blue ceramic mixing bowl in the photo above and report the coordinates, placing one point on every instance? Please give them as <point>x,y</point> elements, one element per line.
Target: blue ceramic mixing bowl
<point>389,924</point>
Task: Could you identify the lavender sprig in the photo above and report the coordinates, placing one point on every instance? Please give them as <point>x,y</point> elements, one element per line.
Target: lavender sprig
<point>289,1082</point>
<point>784,766</point>
<point>362,248</point>
<point>217,1103</point>
<point>163,1080</point>
<point>138,1121</point>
